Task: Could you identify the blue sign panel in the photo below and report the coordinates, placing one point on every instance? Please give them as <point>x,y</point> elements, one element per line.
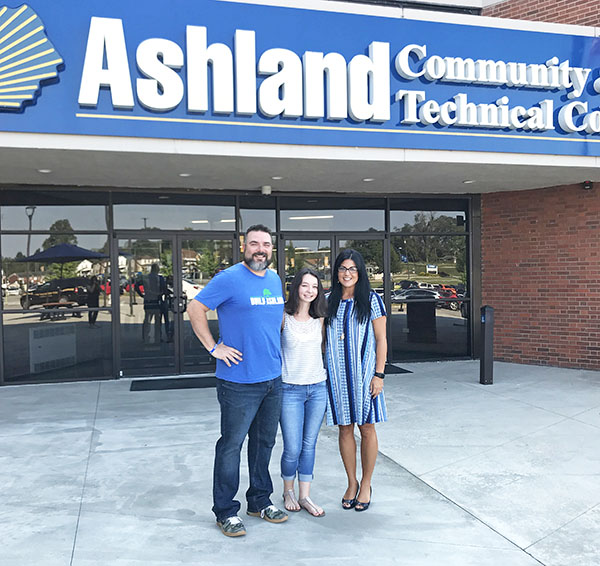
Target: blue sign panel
<point>209,70</point>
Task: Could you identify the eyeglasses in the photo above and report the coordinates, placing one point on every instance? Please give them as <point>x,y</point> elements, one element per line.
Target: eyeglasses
<point>343,269</point>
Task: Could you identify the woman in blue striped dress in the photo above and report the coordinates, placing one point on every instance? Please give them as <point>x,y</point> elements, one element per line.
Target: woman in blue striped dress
<point>356,352</point>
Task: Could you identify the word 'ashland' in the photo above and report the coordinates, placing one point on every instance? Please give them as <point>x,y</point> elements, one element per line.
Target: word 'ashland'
<point>294,86</point>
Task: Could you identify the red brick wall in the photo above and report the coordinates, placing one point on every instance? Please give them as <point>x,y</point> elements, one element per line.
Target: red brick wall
<point>540,249</point>
<point>580,12</point>
<point>541,273</point>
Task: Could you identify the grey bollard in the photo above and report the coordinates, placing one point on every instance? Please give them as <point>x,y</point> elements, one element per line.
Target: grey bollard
<point>486,358</point>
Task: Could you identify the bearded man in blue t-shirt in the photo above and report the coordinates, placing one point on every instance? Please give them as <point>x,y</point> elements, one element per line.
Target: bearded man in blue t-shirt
<point>249,301</point>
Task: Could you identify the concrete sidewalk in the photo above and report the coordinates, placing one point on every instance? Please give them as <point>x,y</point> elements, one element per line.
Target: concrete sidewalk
<point>507,474</point>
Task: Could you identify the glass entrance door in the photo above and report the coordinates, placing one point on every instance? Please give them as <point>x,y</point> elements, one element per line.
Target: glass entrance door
<point>200,260</point>
<point>313,253</point>
<point>158,277</point>
<point>146,300</point>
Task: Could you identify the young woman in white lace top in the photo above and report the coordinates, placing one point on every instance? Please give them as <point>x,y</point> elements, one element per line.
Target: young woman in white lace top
<point>304,390</point>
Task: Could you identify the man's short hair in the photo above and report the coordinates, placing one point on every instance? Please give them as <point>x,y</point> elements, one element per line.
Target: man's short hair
<point>259,228</point>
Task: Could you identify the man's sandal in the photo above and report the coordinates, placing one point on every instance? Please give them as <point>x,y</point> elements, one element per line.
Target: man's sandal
<point>270,514</point>
<point>306,503</point>
<point>290,502</point>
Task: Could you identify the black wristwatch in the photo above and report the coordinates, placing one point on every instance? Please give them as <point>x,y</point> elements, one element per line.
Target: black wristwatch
<point>379,374</point>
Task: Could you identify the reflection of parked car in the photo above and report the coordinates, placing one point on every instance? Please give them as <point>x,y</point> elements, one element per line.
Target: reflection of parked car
<point>190,289</point>
<point>412,294</point>
<point>408,284</point>
<point>72,289</point>
<point>449,294</point>
<point>13,289</point>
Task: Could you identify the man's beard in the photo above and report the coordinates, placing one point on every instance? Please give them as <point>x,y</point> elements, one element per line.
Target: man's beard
<point>257,265</point>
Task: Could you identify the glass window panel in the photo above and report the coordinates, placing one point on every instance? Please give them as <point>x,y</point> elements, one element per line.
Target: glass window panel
<point>429,261</point>
<point>427,221</point>
<point>59,279</point>
<point>39,346</point>
<point>174,217</point>
<point>429,297</point>
<point>423,329</point>
<point>250,217</point>
<point>315,254</point>
<point>325,214</point>
<point>332,220</point>
<point>55,218</point>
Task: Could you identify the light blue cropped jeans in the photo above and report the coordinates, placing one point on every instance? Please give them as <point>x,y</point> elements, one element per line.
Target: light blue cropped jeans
<point>302,411</point>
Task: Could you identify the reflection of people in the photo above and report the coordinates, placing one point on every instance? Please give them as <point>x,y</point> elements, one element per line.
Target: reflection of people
<point>304,390</point>
<point>356,352</point>
<point>93,299</point>
<point>154,288</point>
<point>249,302</point>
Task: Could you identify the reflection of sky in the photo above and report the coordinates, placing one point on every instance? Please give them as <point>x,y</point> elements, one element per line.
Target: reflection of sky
<point>174,217</point>
<point>332,220</point>
<point>251,217</point>
<point>80,217</point>
<point>12,244</point>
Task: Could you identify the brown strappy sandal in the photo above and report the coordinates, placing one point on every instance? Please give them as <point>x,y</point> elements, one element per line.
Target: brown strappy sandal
<point>306,503</point>
<point>290,496</point>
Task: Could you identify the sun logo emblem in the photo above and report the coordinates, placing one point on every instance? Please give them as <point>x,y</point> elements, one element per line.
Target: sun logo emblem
<point>27,57</point>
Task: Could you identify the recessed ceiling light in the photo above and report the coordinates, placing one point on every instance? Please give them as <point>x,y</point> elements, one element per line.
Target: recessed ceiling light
<point>277,178</point>
<point>185,174</point>
<point>44,170</point>
<point>199,221</point>
<point>228,220</point>
<point>368,180</point>
<point>468,182</point>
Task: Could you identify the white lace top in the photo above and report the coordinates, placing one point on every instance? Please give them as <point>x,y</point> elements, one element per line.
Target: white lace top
<point>301,351</point>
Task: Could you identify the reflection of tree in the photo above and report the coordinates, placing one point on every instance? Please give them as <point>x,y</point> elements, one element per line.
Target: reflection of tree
<point>372,252</point>
<point>294,261</point>
<point>211,255</point>
<point>427,249</point>
<point>61,232</point>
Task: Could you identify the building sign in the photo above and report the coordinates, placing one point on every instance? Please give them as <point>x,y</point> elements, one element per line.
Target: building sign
<point>27,57</point>
<point>211,70</point>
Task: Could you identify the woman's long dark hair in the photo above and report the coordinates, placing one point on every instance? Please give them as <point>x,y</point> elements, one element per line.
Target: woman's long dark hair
<point>362,291</point>
<point>318,307</point>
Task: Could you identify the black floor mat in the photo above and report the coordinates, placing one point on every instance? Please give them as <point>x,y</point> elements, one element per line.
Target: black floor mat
<point>203,382</point>
<point>173,383</point>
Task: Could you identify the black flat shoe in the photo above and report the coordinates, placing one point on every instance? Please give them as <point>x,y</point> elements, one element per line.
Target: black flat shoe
<point>360,506</point>
<point>350,503</point>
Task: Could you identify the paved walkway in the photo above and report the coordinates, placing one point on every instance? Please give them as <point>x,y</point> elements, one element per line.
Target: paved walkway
<point>507,474</point>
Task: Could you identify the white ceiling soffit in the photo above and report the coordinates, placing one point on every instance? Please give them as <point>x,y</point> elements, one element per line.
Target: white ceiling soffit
<point>148,163</point>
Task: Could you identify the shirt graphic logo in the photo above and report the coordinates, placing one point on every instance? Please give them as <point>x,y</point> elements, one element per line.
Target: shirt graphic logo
<point>266,299</point>
<point>27,57</point>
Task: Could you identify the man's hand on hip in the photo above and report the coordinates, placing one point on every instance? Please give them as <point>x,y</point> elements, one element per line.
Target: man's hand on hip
<point>228,354</point>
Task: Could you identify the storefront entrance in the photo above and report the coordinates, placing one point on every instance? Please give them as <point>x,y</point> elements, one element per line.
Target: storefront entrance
<point>158,277</point>
<point>115,304</point>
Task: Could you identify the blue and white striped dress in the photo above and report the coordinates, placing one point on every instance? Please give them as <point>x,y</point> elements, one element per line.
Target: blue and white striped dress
<point>351,360</point>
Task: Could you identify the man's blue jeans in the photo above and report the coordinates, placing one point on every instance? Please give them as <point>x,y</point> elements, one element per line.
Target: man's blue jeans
<point>302,412</point>
<point>253,410</point>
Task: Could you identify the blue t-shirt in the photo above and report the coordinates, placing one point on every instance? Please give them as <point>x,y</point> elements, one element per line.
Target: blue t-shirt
<point>250,310</point>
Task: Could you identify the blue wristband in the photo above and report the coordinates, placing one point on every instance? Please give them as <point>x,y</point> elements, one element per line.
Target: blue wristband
<point>213,348</point>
